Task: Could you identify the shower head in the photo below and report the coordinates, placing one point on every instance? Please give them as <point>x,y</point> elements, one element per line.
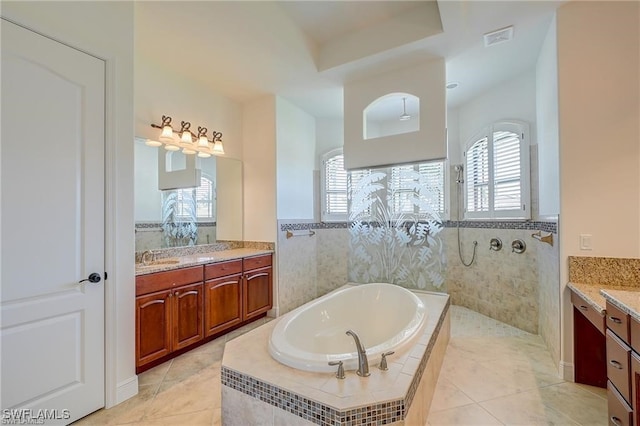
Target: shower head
<point>459,173</point>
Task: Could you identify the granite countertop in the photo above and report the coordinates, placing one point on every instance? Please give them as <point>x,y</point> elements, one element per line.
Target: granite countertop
<point>595,296</point>
<point>199,259</point>
<point>627,300</point>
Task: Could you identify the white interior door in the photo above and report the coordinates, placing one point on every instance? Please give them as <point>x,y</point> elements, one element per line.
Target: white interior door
<point>51,227</point>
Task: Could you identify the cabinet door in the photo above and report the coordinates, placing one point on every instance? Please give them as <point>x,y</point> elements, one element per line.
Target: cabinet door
<point>153,326</point>
<point>257,292</point>
<point>187,315</point>
<point>223,303</point>
<point>635,387</point>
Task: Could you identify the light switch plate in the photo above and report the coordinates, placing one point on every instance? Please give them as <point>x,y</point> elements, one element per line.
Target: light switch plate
<point>585,242</point>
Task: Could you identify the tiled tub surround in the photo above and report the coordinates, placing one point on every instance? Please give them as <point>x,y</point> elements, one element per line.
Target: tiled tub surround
<point>258,389</point>
<point>522,290</point>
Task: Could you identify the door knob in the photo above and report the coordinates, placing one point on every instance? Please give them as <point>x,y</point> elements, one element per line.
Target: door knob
<point>94,277</point>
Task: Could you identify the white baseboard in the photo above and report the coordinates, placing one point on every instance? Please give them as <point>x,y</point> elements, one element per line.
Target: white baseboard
<point>567,371</point>
<point>126,389</point>
<point>274,313</point>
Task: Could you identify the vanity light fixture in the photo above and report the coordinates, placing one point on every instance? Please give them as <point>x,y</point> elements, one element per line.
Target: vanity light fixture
<point>188,142</point>
<point>404,116</point>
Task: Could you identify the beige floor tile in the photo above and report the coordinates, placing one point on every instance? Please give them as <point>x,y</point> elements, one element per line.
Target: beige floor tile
<point>131,410</point>
<point>577,403</point>
<point>526,408</point>
<point>198,418</point>
<point>601,392</point>
<point>447,395</point>
<point>189,364</point>
<point>467,415</point>
<point>154,375</point>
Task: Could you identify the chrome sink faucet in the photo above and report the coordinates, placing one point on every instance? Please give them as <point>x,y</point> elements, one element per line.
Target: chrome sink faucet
<point>144,259</point>
<point>363,362</point>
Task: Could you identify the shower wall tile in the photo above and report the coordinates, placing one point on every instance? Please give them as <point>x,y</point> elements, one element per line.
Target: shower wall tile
<point>297,271</point>
<point>332,257</point>
<point>500,284</point>
<point>549,297</point>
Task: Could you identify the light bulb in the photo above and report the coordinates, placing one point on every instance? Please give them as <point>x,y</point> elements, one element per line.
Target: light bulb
<point>170,147</point>
<point>151,142</point>
<point>188,151</point>
<point>203,142</point>
<point>167,134</point>
<point>186,137</point>
<point>202,154</point>
<point>218,149</point>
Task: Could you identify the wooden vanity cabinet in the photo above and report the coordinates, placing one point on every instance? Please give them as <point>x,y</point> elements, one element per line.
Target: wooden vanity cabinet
<point>169,308</point>
<point>257,286</point>
<point>589,345</point>
<point>223,296</point>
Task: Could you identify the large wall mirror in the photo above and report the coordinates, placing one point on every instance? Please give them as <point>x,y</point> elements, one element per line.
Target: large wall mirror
<point>181,217</point>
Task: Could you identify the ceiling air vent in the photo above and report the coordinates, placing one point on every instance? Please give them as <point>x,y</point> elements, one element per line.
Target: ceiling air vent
<point>498,36</point>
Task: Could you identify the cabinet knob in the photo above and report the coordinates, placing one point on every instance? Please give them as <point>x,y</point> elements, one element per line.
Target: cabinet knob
<point>615,319</point>
<point>584,308</point>
<point>616,421</point>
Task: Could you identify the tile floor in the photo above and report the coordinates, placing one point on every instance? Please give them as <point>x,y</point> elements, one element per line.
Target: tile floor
<point>493,374</point>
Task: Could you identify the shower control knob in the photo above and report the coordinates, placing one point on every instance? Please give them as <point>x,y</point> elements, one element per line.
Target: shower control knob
<point>518,246</point>
<point>495,244</point>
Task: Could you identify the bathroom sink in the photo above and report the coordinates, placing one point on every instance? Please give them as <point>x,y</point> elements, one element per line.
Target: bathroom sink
<point>159,262</point>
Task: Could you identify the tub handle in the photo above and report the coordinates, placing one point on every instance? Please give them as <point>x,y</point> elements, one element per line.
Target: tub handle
<point>340,373</point>
<point>383,362</point>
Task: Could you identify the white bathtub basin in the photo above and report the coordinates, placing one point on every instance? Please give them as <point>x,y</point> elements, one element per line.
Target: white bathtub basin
<point>386,317</point>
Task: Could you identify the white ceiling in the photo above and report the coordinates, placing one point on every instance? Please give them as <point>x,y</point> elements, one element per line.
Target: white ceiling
<point>304,51</point>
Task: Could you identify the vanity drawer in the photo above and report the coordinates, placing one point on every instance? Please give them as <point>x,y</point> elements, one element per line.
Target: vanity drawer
<point>222,269</point>
<point>620,414</point>
<point>595,317</point>
<point>618,321</point>
<point>618,364</point>
<point>165,280</point>
<point>257,262</point>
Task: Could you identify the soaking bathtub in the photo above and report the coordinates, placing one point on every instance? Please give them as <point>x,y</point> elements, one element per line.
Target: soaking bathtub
<point>386,317</point>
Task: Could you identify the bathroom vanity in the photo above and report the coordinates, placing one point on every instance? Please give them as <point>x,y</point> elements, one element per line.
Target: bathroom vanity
<point>183,304</point>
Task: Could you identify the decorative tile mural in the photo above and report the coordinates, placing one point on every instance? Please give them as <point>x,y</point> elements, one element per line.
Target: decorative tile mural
<point>394,230</point>
<point>179,226</point>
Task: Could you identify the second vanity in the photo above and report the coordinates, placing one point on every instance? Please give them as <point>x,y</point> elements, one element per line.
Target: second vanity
<point>606,300</point>
<point>185,301</point>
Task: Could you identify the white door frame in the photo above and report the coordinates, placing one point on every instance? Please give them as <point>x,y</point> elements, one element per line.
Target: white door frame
<point>115,392</point>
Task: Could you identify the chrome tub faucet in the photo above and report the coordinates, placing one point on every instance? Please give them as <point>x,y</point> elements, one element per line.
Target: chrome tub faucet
<point>363,362</point>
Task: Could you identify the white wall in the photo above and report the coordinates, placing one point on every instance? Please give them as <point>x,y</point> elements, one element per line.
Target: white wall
<point>259,158</point>
<point>160,92</point>
<point>547,125</point>
<point>329,135</point>
<point>426,81</point>
<point>514,99</point>
<point>105,29</point>
<point>598,105</point>
<point>296,147</point>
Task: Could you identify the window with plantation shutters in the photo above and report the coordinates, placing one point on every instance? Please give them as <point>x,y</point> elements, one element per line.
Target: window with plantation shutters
<point>497,173</point>
<point>417,188</point>
<point>201,198</point>
<point>334,187</point>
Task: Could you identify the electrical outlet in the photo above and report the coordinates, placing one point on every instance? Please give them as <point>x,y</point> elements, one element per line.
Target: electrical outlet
<point>585,242</point>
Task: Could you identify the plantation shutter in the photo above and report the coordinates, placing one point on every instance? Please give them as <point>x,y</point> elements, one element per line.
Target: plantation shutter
<point>204,199</point>
<point>335,189</point>
<point>478,176</point>
<point>432,191</point>
<point>506,171</point>
<point>402,183</point>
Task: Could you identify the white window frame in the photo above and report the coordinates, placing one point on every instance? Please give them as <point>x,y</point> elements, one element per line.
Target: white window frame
<point>524,212</point>
<point>210,201</point>
<point>343,217</point>
<point>328,216</point>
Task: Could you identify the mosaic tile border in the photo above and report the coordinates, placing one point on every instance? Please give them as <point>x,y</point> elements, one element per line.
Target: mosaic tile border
<point>153,225</point>
<point>545,226</point>
<point>318,413</point>
<point>530,225</point>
